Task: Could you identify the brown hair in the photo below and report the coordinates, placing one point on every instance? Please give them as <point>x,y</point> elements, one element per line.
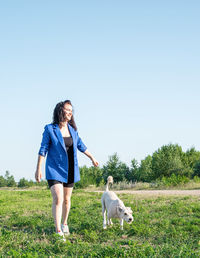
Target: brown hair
<point>59,114</point>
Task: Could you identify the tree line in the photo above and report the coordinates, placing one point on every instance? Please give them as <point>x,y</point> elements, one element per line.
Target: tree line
<point>169,162</point>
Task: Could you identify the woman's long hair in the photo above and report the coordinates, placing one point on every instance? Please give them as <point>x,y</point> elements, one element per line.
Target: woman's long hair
<point>59,114</point>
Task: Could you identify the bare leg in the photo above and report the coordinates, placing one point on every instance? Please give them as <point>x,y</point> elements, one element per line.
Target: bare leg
<point>66,203</point>
<point>57,194</point>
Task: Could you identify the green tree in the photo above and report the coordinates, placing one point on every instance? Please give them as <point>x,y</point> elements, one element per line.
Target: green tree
<point>84,178</point>
<point>89,176</point>
<point>192,157</point>
<point>145,173</point>
<point>10,181</point>
<point>115,168</point>
<point>2,181</point>
<point>31,183</point>
<point>42,183</point>
<point>196,169</point>
<point>168,160</point>
<point>23,183</point>
<point>132,173</point>
<point>97,175</point>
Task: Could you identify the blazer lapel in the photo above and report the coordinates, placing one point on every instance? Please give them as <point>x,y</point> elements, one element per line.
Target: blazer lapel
<point>59,136</point>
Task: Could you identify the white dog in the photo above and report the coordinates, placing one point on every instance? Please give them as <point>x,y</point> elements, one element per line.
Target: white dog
<point>115,207</point>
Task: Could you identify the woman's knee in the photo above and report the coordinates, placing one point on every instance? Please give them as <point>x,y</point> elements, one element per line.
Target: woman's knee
<point>57,199</point>
<point>67,201</point>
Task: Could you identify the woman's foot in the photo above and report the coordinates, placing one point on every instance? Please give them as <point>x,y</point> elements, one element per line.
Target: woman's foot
<point>61,235</point>
<point>65,229</point>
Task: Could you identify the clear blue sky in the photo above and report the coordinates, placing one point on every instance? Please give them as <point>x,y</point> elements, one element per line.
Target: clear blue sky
<point>130,68</point>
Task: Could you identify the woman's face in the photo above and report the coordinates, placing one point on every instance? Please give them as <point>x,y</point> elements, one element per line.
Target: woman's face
<point>68,111</point>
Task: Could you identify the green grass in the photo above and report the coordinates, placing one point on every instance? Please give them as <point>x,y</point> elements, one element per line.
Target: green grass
<point>163,227</point>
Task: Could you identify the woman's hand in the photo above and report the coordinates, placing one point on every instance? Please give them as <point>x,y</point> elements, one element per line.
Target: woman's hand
<point>95,162</point>
<point>38,175</point>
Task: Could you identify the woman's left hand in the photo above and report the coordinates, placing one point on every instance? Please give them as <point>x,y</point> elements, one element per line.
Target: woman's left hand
<point>95,162</point>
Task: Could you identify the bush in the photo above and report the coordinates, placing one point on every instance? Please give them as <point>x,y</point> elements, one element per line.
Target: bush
<point>2,181</point>
<point>24,183</point>
<point>173,180</point>
<point>196,179</point>
<point>42,183</point>
<point>89,176</point>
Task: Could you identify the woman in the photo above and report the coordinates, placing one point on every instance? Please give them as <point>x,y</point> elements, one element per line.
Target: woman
<point>60,142</point>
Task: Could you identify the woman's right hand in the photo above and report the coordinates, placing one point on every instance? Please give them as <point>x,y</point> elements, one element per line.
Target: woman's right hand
<point>38,175</point>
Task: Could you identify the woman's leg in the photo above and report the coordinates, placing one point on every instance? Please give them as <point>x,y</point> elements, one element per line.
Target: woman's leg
<point>57,194</point>
<point>66,203</point>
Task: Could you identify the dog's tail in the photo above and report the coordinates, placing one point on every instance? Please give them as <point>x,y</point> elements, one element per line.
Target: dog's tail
<point>109,181</point>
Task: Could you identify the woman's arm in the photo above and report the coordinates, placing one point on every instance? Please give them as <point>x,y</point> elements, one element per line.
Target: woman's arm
<point>42,153</point>
<point>38,173</point>
<point>89,155</point>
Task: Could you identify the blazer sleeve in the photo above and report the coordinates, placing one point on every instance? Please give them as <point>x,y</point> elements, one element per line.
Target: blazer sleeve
<point>80,145</point>
<point>45,142</point>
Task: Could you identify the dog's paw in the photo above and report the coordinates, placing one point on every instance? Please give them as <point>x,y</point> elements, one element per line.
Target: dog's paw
<point>104,227</point>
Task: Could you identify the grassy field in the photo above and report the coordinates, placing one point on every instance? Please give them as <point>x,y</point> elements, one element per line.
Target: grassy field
<point>164,227</point>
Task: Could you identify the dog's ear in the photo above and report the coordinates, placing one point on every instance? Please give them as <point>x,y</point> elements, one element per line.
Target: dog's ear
<point>119,209</point>
<point>129,209</point>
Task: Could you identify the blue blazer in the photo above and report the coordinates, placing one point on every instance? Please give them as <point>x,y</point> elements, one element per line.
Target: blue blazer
<point>57,159</point>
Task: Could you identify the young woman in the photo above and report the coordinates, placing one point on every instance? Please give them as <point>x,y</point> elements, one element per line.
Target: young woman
<point>60,142</point>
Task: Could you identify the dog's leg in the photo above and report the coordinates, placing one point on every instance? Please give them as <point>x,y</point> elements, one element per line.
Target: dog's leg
<point>109,219</point>
<point>121,224</point>
<point>104,215</point>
